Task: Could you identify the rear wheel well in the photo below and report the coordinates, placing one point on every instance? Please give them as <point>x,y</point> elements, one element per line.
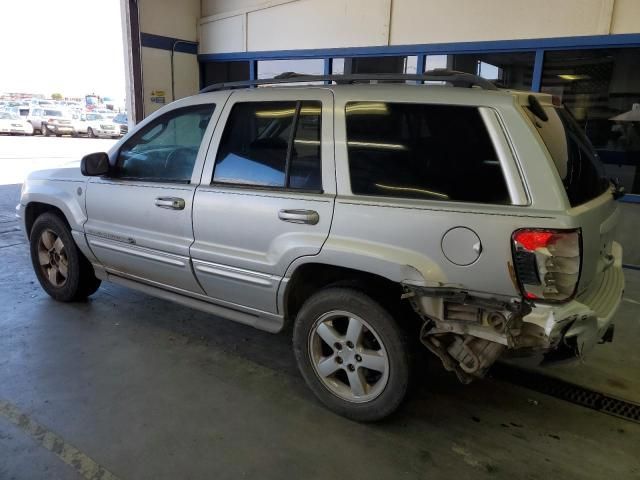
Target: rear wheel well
<point>35,209</point>
<point>309,278</point>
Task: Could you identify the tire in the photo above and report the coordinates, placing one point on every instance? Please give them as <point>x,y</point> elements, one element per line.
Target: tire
<point>91,133</point>
<point>348,387</point>
<point>53,252</point>
<point>44,130</point>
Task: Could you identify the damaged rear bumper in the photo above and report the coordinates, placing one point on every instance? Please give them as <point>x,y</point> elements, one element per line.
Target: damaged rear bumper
<point>572,329</point>
<point>469,333</point>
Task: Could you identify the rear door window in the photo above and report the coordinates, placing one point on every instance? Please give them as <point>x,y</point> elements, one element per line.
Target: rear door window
<point>574,157</point>
<point>422,151</point>
<point>271,144</point>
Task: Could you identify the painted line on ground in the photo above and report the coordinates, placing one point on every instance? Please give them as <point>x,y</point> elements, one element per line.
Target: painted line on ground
<point>72,456</point>
<point>631,300</point>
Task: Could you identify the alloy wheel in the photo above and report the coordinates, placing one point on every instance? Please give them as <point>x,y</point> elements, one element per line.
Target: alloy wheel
<point>348,356</point>
<point>52,258</point>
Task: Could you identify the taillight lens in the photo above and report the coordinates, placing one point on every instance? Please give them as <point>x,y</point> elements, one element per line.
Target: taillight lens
<point>547,263</point>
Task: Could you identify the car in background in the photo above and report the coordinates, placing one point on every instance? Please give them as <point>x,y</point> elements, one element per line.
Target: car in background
<point>58,122</point>
<point>123,122</point>
<point>97,125</point>
<point>14,125</point>
<point>35,117</point>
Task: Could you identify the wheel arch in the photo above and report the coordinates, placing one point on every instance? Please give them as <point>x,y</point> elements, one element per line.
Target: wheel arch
<point>48,198</point>
<point>35,209</point>
<point>309,277</point>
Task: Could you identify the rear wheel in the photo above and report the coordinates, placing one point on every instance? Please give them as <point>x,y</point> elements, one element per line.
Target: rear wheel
<point>352,354</point>
<point>44,130</point>
<point>91,133</point>
<point>62,270</point>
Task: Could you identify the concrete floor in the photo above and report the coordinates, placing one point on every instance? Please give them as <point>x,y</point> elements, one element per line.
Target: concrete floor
<point>134,387</point>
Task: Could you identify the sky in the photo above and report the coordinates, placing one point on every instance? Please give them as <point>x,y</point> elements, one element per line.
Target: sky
<point>72,47</point>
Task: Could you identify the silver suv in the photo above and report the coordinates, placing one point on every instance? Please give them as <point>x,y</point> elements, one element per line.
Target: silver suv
<point>367,216</point>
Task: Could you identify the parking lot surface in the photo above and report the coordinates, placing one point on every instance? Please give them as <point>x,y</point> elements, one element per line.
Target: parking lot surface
<point>132,387</point>
<point>20,155</point>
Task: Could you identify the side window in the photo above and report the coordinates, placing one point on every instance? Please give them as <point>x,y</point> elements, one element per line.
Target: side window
<point>435,152</point>
<point>166,149</point>
<point>271,144</point>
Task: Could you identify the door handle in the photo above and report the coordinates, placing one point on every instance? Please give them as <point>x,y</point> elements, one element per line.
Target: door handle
<point>172,203</point>
<point>310,217</point>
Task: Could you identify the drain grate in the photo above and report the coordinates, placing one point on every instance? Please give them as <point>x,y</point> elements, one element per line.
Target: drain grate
<point>568,391</point>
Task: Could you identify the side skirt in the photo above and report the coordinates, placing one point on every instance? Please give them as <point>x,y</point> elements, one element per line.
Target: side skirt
<point>268,322</point>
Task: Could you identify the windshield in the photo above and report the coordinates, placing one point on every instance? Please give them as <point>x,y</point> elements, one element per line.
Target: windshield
<point>577,162</point>
<point>7,116</point>
<point>53,113</point>
<point>94,116</point>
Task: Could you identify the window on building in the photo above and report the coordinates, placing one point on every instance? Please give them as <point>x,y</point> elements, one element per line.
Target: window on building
<point>220,72</point>
<point>434,152</point>
<point>166,149</point>
<point>388,64</point>
<point>273,68</point>
<point>601,89</point>
<point>508,70</point>
<point>271,144</point>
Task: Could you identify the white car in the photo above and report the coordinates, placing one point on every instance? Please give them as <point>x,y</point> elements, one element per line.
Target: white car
<point>14,125</point>
<point>97,125</point>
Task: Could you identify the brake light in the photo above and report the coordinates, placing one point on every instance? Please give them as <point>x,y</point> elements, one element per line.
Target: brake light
<point>547,263</point>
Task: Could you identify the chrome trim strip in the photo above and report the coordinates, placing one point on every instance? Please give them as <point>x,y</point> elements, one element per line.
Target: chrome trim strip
<point>233,273</point>
<point>137,252</point>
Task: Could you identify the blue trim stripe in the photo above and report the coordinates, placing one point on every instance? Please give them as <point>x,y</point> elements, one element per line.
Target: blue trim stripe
<point>536,80</point>
<point>591,41</point>
<point>630,198</point>
<point>160,42</point>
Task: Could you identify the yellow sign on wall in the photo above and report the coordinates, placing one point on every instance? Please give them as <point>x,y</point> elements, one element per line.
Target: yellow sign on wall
<point>158,96</point>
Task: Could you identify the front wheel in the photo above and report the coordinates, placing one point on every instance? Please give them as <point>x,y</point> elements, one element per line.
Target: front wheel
<point>91,133</point>
<point>44,130</point>
<point>352,354</point>
<point>62,270</point>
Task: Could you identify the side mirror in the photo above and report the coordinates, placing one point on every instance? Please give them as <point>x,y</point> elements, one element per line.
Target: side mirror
<point>95,164</point>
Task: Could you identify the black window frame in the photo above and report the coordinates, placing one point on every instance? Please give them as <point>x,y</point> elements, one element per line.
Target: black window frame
<point>292,136</point>
<point>115,174</point>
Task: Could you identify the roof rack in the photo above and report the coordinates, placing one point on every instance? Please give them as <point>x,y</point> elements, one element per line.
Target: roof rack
<point>453,77</point>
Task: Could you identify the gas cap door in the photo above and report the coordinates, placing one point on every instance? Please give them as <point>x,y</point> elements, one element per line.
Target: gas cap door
<point>461,246</point>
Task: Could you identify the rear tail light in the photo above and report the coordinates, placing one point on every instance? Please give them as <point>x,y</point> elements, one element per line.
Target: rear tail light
<point>547,263</point>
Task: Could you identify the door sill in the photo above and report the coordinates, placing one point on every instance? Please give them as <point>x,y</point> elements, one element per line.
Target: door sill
<point>261,320</point>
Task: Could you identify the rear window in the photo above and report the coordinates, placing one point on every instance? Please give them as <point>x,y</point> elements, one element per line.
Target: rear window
<point>423,151</point>
<point>53,113</point>
<point>574,157</point>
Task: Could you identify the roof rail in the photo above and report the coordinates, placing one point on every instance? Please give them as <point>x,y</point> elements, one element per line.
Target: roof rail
<point>455,78</point>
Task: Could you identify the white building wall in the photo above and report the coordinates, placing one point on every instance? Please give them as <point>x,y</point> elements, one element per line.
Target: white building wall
<point>176,20</point>
<point>303,24</point>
